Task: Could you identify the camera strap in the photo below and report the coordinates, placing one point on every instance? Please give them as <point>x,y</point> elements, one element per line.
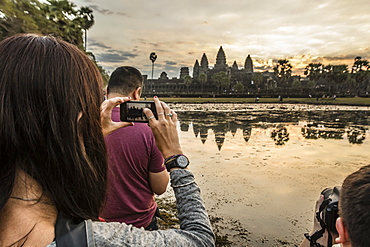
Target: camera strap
<point>319,233</point>
<point>322,223</point>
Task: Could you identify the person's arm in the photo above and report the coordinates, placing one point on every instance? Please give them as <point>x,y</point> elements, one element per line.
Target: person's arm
<point>158,175</point>
<point>193,218</point>
<point>158,181</point>
<point>316,227</point>
<point>108,126</point>
<point>195,227</point>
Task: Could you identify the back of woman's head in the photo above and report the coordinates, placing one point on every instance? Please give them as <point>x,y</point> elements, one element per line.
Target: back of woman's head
<point>50,95</point>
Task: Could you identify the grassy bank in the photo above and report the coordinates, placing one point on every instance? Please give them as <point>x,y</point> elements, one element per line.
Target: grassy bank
<point>339,101</point>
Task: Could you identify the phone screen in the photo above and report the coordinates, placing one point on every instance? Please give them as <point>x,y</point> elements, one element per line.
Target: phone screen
<point>132,111</point>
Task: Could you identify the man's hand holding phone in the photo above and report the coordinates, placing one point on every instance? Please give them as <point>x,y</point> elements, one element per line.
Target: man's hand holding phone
<point>108,126</point>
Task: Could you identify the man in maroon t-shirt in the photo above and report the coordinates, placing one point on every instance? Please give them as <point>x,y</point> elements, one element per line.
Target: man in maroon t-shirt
<point>136,170</point>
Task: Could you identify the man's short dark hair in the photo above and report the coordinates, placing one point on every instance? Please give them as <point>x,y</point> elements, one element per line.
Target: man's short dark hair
<point>124,80</point>
<point>354,206</point>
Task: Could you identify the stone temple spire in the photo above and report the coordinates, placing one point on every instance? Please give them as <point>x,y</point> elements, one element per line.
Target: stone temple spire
<point>196,70</point>
<point>248,65</point>
<point>204,62</point>
<point>235,66</point>
<point>220,60</point>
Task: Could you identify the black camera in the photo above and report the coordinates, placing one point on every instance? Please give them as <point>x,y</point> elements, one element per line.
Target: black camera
<point>329,207</point>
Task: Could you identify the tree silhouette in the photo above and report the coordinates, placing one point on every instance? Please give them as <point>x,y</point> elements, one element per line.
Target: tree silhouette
<point>87,20</point>
<point>280,135</point>
<point>358,64</point>
<point>188,81</point>
<point>239,87</point>
<point>221,79</point>
<point>283,69</point>
<point>202,80</point>
<point>257,78</point>
<point>314,71</point>
<point>59,18</point>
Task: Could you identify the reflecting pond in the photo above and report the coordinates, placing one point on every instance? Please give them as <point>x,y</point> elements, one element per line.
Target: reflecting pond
<point>330,123</point>
<point>261,167</point>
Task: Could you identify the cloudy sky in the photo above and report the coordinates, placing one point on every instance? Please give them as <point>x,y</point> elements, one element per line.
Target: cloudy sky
<point>179,32</point>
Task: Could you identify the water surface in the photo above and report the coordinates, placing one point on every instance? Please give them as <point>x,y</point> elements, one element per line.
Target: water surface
<point>261,167</point>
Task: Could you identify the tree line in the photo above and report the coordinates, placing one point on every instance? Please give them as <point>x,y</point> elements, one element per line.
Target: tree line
<point>341,77</point>
<point>59,18</point>
<point>330,79</point>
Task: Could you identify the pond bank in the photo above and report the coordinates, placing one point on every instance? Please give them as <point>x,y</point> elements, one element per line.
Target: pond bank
<point>360,101</point>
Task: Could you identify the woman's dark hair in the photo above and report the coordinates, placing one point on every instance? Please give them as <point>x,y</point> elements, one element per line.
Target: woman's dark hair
<point>50,96</point>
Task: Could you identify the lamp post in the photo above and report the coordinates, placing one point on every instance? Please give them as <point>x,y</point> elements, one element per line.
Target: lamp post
<point>152,58</point>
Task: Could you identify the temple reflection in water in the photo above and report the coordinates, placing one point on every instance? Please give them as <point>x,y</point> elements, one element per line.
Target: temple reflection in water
<point>340,124</point>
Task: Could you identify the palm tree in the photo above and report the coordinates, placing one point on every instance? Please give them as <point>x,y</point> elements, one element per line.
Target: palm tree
<point>66,20</point>
<point>221,79</point>
<point>359,63</point>
<point>86,20</point>
<point>313,71</point>
<point>239,87</point>
<point>283,69</point>
<point>188,80</point>
<point>202,79</point>
<point>257,78</point>
<point>20,16</point>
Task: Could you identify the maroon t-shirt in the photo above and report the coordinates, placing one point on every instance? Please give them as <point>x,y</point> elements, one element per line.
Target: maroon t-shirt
<point>132,154</point>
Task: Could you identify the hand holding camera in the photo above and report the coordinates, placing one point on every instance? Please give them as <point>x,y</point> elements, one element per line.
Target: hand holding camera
<point>329,208</point>
<point>326,214</point>
<point>164,128</point>
<point>108,126</point>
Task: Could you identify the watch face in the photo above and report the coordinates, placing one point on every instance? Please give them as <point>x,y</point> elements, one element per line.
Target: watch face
<point>182,161</point>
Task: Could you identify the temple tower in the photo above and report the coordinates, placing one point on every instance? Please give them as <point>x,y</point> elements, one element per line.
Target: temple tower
<point>248,65</point>
<point>220,60</point>
<point>248,73</point>
<point>235,66</point>
<point>204,64</point>
<point>196,70</point>
<point>184,71</point>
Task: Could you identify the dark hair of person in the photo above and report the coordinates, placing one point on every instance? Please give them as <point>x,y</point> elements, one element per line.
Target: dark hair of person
<point>50,96</point>
<point>354,206</point>
<point>124,80</point>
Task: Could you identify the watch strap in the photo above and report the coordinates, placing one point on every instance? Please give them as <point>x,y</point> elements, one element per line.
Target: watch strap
<point>171,162</point>
<point>171,158</point>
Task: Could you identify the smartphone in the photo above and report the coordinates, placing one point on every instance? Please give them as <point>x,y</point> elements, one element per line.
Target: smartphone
<point>132,111</point>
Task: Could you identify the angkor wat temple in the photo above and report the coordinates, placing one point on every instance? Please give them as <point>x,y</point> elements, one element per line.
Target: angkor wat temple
<point>241,75</point>
<point>223,80</point>
<point>203,81</point>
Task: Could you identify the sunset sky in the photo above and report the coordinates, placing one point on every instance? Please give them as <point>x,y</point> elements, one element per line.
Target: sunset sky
<point>179,32</point>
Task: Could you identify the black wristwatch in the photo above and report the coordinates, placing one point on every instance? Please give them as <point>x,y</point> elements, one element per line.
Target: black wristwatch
<point>179,160</point>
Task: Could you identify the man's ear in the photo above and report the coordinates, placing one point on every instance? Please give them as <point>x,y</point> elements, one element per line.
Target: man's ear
<point>136,94</point>
<point>342,231</point>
